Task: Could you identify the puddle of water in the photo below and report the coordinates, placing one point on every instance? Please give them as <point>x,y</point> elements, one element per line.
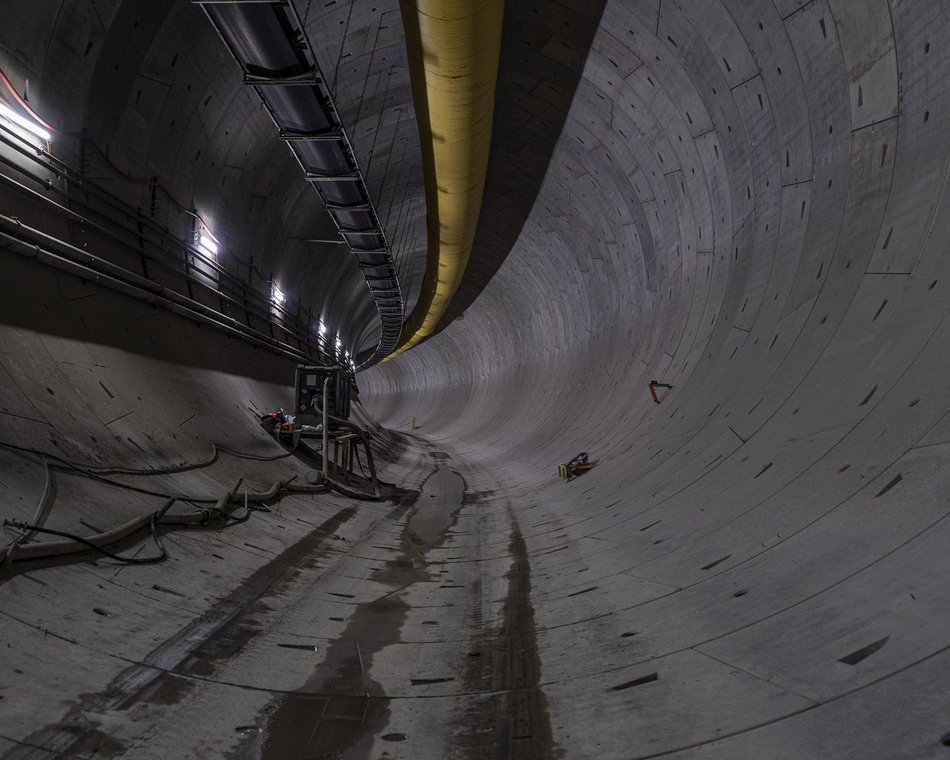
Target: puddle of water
<point>341,708</point>
<point>438,505</point>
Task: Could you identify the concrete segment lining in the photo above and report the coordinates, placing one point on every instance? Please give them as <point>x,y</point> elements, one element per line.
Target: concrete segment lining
<point>744,200</point>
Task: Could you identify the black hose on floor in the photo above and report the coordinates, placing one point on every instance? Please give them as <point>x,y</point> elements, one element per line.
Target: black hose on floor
<point>99,470</point>
<point>154,519</point>
<point>21,552</point>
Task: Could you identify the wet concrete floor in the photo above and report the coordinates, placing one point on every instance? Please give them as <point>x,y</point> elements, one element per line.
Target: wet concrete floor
<point>220,632</point>
<point>341,709</point>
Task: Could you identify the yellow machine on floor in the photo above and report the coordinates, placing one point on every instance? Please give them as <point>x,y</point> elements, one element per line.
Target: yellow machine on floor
<point>577,466</point>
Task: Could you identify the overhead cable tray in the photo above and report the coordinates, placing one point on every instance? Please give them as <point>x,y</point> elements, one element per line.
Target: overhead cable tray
<point>269,42</point>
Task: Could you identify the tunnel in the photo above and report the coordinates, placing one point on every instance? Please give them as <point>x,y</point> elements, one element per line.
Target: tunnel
<point>665,480</point>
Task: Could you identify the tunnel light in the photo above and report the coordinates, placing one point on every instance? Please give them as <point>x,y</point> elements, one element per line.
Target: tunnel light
<point>207,245</point>
<point>277,296</point>
<point>339,343</point>
<point>323,328</point>
<point>10,115</point>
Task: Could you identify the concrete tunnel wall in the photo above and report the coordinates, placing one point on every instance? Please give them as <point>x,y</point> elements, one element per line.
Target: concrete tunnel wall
<point>772,243</point>
<point>746,201</point>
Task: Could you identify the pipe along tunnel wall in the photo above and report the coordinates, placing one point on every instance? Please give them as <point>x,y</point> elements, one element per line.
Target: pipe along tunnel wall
<point>745,201</point>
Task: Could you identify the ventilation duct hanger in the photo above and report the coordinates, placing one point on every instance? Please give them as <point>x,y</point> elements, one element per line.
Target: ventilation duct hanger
<point>269,42</point>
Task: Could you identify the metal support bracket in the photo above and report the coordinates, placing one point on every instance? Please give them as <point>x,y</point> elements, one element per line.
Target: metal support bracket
<point>327,135</point>
<point>349,207</point>
<point>347,177</point>
<point>306,79</point>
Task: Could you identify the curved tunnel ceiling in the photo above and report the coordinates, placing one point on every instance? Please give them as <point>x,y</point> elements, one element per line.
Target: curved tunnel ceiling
<point>744,201</point>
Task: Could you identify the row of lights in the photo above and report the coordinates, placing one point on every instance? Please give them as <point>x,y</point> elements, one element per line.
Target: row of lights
<point>207,242</point>
<point>30,126</point>
<point>208,245</point>
<point>340,352</point>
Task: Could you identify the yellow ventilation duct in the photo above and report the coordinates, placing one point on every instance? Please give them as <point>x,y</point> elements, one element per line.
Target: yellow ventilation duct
<point>453,48</point>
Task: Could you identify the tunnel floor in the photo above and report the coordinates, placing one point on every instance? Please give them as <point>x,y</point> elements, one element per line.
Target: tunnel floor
<point>407,628</point>
<point>407,621</point>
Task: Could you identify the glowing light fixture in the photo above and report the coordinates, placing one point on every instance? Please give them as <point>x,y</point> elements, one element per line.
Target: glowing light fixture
<point>207,245</point>
<point>278,295</point>
<point>10,115</point>
<point>323,329</point>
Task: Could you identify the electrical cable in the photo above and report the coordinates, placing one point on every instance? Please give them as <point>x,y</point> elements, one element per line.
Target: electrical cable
<point>154,519</point>
<point>26,107</point>
<point>356,452</point>
<point>18,550</point>
<point>46,502</point>
<point>79,539</point>
<point>93,475</point>
<point>74,543</point>
<point>169,470</point>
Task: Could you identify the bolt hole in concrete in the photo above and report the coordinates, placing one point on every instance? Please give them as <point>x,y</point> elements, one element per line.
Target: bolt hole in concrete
<point>864,652</point>
<point>741,592</point>
<point>429,681</point>
<point>395,737</point>
<point>637,682</point>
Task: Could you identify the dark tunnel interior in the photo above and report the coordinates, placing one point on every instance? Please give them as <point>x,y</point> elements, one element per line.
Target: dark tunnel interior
<point>739,206</point>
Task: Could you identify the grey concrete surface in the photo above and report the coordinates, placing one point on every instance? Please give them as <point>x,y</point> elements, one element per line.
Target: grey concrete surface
<point>745,200</point>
